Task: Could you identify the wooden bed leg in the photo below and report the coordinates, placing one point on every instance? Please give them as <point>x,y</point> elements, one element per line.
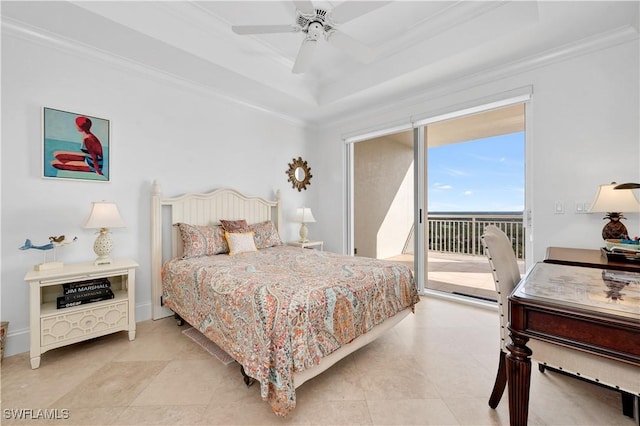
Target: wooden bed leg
<point>179,319</point>
<point>247,380</point>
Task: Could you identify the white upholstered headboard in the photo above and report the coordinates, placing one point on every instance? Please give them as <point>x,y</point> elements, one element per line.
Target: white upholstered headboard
<point>197,209</point>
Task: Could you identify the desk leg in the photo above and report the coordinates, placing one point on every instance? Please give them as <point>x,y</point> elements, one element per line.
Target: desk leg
<point>518,379</point>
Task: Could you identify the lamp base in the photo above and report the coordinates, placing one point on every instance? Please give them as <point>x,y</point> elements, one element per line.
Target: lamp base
<point>303,234</point>
<point>102,247</point>
<point>614,230</point>
<point>102,261</point>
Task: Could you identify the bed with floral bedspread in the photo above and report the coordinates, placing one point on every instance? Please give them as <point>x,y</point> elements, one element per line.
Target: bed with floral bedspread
<point>279,310</point>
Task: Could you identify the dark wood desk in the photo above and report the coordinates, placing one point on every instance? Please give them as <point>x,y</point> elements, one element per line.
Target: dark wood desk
<point>587,258</point>
<point>570,306</point>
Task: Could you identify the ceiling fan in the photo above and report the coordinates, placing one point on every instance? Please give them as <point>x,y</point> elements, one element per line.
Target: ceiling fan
<point>316,22</point>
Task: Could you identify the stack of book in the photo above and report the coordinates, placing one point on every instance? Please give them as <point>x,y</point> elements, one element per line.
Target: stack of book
<point>82,292</point>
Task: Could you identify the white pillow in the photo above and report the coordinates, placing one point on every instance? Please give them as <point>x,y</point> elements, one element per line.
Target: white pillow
<point>240,242</point>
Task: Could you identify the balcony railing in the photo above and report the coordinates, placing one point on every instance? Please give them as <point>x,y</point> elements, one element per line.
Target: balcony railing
<point>460,232</point>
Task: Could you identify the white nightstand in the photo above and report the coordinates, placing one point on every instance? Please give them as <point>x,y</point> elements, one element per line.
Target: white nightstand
<point>52,328</point>
<point>308,244</point>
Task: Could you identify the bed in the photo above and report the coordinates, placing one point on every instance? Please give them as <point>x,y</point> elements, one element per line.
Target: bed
<point>284,313</point>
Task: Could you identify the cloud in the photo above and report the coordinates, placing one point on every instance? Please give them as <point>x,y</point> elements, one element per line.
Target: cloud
<point>455,172</point>
<point>442,186</point>
<point>468,193</point>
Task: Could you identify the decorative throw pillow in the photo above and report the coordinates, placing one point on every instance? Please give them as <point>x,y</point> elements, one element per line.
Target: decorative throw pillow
<point>265,234</point>
<point>202,240</point>
<point>234,225</point>
<point>240,242</point>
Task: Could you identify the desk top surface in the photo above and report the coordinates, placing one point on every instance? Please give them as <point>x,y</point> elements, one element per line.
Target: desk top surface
<point>613,292</point>
<point>588,258</point>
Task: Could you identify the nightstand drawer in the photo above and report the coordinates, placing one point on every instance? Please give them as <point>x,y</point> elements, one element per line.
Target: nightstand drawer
<point>82,323</point>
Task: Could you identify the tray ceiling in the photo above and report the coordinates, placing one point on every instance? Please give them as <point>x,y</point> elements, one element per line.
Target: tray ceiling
<point>418,45</point>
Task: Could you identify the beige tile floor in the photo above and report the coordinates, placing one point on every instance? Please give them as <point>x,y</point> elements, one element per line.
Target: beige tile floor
<point>457,273</point>
<point>435,368</point>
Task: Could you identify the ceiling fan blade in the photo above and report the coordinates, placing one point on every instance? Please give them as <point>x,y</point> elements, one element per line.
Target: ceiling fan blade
<point>351,46</point>
<point>264,29</point>
<point>303,60</point>
<point>305,6</point>
<point>349,10</point>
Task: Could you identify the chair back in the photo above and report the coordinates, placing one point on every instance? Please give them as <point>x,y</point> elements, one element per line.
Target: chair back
<point>506,274</point>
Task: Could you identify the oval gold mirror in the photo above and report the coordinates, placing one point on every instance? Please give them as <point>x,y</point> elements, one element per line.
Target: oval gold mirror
<point>299,174</point>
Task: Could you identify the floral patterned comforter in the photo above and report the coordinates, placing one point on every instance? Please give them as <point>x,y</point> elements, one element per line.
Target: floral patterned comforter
<point>280,310</point>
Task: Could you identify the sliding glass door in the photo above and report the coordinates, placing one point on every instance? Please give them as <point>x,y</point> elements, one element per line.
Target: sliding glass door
<point>422,196</point>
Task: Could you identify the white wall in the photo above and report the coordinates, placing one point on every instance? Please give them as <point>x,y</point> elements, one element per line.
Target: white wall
<point>383,197</point>
<point>583,131</point>
<point>162,130</point>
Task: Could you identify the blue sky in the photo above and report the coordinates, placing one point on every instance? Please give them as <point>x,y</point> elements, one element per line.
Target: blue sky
<point>481,175</point>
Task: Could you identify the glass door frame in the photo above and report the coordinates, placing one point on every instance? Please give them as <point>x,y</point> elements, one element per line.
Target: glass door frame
<point>522,95</point>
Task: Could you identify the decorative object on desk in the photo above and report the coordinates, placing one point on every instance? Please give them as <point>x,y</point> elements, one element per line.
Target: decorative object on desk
<point>625,256</point>
<point>622,250</point>
<point>75,146</point>
<point>103,215</point>
<point>304,216</point>
<point>612,203</point>
<point>621,244</point>
<point>54,243</point>
<point>299,174</point>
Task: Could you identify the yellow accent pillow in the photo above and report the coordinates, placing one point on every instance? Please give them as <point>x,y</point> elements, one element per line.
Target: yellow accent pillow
<point>240,242</point>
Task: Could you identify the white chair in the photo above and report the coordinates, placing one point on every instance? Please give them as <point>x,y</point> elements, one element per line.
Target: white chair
<point>506,275</point>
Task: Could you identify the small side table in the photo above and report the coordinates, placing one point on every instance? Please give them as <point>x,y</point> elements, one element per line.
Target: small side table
<point>52,328</point>
<point>308,244</point>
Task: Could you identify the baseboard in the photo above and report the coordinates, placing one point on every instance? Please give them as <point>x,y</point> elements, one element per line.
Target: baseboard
<point>17,341</point>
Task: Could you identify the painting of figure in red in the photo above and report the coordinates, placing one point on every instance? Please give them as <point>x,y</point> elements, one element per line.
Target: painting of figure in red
<point>76,146</point>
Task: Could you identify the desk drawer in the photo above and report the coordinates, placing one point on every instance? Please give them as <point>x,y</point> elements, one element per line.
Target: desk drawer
<point>590,334</point>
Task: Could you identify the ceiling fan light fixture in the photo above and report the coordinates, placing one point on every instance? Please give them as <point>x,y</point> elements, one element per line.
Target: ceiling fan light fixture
<point>315,30</point>
<point>316,23</point>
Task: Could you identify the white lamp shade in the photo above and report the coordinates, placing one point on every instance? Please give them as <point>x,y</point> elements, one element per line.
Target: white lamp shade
<point>614,200</point>
<point>304,215</point>
<point>104,215</point>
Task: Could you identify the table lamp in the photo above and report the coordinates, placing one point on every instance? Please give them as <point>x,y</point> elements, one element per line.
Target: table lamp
<point>613,202</point>
<point>304,215</point>
<point>103,215</point>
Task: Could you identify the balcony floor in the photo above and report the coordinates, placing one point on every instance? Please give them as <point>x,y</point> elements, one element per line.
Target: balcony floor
<point>457,273</point>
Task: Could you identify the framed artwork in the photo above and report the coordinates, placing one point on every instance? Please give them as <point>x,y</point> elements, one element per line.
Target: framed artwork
<point>75,146</point>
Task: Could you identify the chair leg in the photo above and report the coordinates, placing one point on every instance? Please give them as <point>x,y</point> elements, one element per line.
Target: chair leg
<point>629,401</point>
<point>501,382</point>
<point>627,404</point>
